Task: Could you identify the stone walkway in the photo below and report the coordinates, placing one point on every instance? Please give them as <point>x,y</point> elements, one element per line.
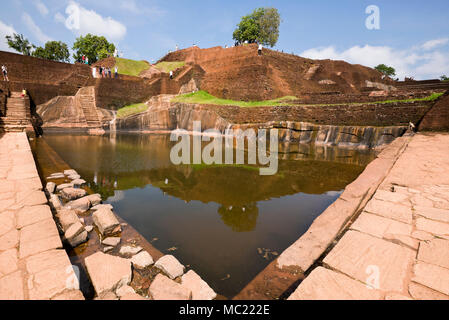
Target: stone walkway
<point>33,264</point>
<point>398,247</point>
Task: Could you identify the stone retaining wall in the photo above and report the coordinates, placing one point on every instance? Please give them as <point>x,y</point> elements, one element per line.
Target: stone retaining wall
<point>33,264</point>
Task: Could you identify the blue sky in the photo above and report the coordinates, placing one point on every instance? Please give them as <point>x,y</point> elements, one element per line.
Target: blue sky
<point>413,35</point>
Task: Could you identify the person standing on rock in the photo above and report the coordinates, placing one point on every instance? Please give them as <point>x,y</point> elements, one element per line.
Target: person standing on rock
<point>5,73</point>
<point>171,74</point>
<point>260,49</point>
<point>116,72</point>
<point>109,73</point>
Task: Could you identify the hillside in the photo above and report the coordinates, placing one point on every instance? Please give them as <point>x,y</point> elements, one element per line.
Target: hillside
<point>239,73</point>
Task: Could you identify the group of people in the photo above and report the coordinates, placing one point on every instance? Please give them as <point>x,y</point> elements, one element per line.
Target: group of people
<point>104,72</point>
<point>85,59</point>
<point>5,73</point>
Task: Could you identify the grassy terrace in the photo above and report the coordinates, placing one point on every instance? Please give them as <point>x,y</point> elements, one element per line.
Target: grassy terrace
<point>202,97</point>
<point>131,109</point>
<point>131,67</point>
<point>170,66</point>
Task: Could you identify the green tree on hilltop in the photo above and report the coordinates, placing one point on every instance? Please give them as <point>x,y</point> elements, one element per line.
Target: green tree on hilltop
<point>93,47</point>
<point>386,70</point>
<point>444,78</point>
<point>261,26</point>
<point>53,50</point>
<point>20,44</point>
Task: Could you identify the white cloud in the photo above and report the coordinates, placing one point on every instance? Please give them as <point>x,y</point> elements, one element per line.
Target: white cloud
<point>82,21</point>
<point>40,6</point>
<point>429,45</point>
<point>34,28</point>
<point>416,61</point>
<point>5,30</point>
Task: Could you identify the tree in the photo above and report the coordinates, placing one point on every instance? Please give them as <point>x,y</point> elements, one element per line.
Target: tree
<point>444,78</point>
<point>93,47</point>
<point>261,26</point>
<point>20,44</point>
<point>53,50</point>
<point>386,70</point>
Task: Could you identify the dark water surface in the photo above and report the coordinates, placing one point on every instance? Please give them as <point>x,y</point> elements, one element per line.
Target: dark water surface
<point>225,222</point>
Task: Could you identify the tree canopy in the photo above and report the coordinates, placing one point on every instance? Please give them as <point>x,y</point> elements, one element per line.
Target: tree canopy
<point>386,70</point>
<point>261,26</point>
<point>20,44</point>
<point>444,78</point>
<point>53,50</point>
<point>93,47</point>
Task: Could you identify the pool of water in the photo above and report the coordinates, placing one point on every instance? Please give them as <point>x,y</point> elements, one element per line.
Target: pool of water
<point>225,222</point>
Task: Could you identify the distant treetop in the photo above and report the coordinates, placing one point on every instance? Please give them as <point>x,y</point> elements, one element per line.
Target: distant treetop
<point>386,70</point>
<point>261,26</point>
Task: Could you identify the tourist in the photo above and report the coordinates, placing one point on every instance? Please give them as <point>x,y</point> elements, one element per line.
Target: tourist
<point>171,74</point>
<point>177,48</point>
<point>87,60</point>
<point>116,72</point>
<point>101,71</point>
<point>94,72</point>
<point>83,58</point>
<point>24,93</point>
<point>5,73</point>
<point>260,49</point>
<point>411,127</point>
<point>109,73</point>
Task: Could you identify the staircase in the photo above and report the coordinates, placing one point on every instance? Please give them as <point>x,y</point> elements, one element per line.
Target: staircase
<point>86,99</point>
<point>18,114</point>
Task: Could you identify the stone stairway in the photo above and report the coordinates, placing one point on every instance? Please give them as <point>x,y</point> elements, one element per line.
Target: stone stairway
<point>86,98</point>
<point>18,114</point>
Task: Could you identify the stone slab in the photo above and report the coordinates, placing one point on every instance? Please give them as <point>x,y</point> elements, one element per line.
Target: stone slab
<point>431,276</point>
<point>31,215</point>
<point>199,288</point>
<point>162,288</point>
<point>435,251</point>
<point>107,272</point>
<point>365,258</point>
<point>390,210</point>
<point>170,266</point>
<point>11,287</point>
<point>325,284</point>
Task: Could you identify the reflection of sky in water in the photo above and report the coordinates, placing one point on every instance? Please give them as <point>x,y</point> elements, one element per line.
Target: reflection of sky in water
<point>219,218</point>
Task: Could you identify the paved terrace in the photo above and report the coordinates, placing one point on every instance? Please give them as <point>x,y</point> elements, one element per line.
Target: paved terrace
<point>398,247</point>
<point>33,264</point>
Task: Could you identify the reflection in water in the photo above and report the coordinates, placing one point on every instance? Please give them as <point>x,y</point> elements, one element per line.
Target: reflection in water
<point>217,216</point>
<point>240,219</point>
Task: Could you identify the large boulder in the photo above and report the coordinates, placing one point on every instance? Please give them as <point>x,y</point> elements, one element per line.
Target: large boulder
<point>142,260</point>
<point>200,289</point>
<point>67,218</point>
<point>79,205</point>
<point>73,193</point>
<point>106,221</point>
<point>170,266</point>
<point>76,234</point>
<point>50,187</point>
<point>95,199</point>
<point>55,203</point>
<point>107,272</point>
<point>162,288</point>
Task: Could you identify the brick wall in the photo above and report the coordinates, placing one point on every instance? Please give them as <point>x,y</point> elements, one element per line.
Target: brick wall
<point>437,119</point>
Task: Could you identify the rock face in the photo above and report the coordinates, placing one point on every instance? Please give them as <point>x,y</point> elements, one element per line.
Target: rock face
<point>106,221</point>
<point>200,289</point>
<point>107,272</point>
<point>162,288</point>
<point>170,266</point>
<point>67,218</point>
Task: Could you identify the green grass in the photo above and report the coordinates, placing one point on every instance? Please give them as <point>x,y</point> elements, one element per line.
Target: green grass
<point>203,97</point>
<point>130,67</point>
<point>131,109</point>
<point>170,66</point>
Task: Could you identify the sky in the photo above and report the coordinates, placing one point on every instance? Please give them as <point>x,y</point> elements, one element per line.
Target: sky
<point>413,35</point>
